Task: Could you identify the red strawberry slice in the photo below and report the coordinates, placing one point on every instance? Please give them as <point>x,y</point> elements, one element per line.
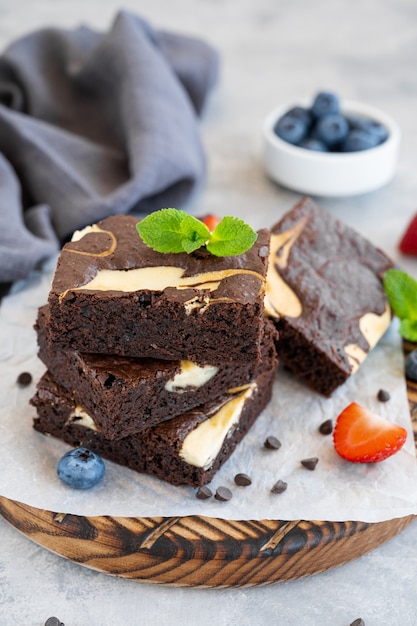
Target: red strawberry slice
<point>408,242</point>
<point>211,221</point>
<point>362,436</point>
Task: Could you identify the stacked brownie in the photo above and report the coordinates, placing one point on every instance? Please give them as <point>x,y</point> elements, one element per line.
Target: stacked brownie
<point>160,362</point>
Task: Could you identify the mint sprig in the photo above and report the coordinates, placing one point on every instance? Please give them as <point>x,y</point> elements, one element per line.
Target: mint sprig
<point>231,236</point>
<point>171,230</point>
<point>401,290</point>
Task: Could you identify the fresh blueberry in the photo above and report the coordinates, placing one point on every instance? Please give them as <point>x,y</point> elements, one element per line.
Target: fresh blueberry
<point>325,103</point>
<point>309,143</point>
<point>331,129</point>
<point>377,129</point>
<point>357,140</point>
<point>300,113</point>
<point>291,129</point>
<point>411,365</point>
<point>370,126</point>
<point>80,468</point>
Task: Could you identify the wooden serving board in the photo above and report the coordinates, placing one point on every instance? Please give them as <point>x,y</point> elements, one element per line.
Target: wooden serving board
<point>197,551</point>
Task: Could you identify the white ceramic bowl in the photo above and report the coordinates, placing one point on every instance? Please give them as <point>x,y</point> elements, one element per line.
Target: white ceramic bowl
<point>326,173</point>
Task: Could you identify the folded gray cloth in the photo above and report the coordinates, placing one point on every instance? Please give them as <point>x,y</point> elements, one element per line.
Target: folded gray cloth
<point>95,124</point>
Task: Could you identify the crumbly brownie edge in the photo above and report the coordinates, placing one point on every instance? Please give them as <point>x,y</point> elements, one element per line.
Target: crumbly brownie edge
<point>54,408</point>
<point>307,361</point>
<point>116,324</point>
<point>124,398</point>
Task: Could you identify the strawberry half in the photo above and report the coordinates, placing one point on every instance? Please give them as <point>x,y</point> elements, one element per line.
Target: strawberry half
<point>408,242</point>
<point>361,436</point>
<point>211,221</point>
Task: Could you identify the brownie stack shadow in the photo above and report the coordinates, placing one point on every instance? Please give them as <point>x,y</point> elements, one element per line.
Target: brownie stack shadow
<point>159,362</point>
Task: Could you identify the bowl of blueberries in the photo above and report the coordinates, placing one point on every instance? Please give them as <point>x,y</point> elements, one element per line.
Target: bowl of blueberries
<point>326,147</point>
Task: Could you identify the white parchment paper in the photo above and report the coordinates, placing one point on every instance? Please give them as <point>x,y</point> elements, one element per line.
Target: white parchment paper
<point>336,490</point>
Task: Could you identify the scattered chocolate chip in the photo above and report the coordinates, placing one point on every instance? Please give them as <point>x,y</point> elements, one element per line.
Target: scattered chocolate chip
<point>54,621</point>
<point>383,395</point>
<point>279,487</point>
<point>24,379</point>
<point>310,463</point>
<point>223,494</point>
<point>272,443</point>
<point>204,493</point>
<point>326,428</point>
<point>358,622</point>
<point>243,480</point>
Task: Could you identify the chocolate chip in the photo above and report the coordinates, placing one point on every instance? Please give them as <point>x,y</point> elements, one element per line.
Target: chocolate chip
<point>279,487</point>
<point>223,494</point>
<point>54,621</point>
<point>272,443</point>
<point>243,480</point>
<point>204,493</point>
<point>383,395</point>
<point>358,622</point>
<point>145,300</point>
<point>326,428</point>
<point>24,379</point>
<point>109,381</point>
<point>310,463</point>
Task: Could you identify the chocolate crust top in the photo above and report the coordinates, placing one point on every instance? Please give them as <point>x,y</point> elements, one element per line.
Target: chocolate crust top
<point>114,244</point>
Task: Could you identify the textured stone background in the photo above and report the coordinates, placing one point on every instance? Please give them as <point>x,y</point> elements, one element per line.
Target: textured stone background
<point>272,51</point>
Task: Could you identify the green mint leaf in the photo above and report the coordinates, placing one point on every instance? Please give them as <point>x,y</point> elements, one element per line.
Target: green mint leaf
<point>232,236</point>
<point>170,230</point>
<point>401,290</point>
<point>408,330</point>
<point>162,230</point>
<point>194,232</point>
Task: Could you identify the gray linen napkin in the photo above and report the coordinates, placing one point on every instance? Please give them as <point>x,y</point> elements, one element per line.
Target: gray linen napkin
<point>95,124</point>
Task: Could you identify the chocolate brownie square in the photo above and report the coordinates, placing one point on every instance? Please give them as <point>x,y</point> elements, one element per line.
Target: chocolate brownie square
<point>112,294</point>
<point>125,394</point>
<point>324,292</point>
<point>188,449</point>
